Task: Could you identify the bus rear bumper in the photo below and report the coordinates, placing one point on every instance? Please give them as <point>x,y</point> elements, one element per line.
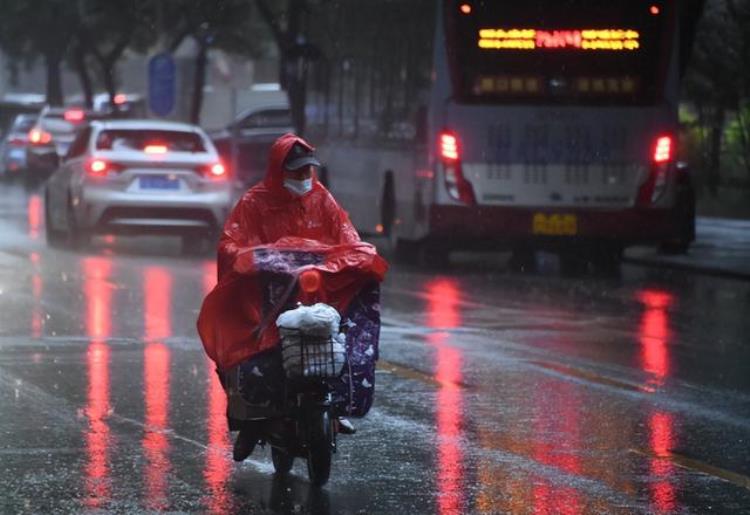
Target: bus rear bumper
<point>493,226</point>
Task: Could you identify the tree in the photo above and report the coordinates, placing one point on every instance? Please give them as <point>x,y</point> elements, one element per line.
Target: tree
<point>226,25</point>
<point>31,28</point>
<point>295,53</point>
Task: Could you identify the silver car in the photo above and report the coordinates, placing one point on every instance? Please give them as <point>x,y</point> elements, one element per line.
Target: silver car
<point>135,177</point>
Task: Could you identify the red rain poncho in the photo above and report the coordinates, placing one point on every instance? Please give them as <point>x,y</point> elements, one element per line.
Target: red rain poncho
<point>268,216</point>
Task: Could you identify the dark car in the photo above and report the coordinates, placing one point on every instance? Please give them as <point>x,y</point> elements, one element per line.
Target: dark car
<point>245,143</point>
<point>13,146</point>
<point>50,138</point>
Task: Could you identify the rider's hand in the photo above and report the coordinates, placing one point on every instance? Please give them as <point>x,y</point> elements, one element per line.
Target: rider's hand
<point>243,263</point>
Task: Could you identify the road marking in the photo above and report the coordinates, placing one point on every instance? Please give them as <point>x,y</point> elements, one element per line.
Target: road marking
<point>591,376</point>
<point>414,374</point>
<point>699,466</point>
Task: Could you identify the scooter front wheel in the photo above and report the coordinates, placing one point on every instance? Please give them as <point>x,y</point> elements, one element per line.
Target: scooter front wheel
<point>282,461</point>
<point>320,447</point>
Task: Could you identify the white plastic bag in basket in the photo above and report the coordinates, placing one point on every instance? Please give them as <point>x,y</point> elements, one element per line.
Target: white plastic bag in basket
<point>318,319</point>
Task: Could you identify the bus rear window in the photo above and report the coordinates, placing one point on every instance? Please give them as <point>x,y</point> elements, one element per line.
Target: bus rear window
<point>150,140</point>
<point>558,51</point>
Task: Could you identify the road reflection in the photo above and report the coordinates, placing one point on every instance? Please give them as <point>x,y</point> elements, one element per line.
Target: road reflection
<point>98,298</point>
<point>218,468</point>
<point>157,283</point>
<point>443,313</point>
<point>655,337</point>
<point>654,334</point>
<point>37,315</point>
<point>34,215</point>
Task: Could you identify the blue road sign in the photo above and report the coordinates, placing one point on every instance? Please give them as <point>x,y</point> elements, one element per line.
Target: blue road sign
<point>161,84</point>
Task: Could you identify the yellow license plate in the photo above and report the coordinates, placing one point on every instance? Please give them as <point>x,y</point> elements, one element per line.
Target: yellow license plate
<point>555,224</point>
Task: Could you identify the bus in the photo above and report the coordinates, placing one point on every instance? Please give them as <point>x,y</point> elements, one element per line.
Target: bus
<point>545,124</point>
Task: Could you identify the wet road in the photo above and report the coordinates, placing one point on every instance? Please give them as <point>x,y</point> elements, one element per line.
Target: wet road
<point>496,392</point>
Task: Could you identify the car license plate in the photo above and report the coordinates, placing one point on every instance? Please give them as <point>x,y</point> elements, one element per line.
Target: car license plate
<point>555,224</point>
<point>158,182</point>
<point>17,153</point>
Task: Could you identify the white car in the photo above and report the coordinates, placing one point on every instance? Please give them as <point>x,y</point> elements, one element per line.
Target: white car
<point>135,177</point>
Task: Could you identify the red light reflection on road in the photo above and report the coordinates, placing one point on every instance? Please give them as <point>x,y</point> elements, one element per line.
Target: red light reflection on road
<point>98,293</point>
<point>562,421</point>
<point>98,296</point>
<point>662,440</point>
<point>157,325</point>
<point>36,291</point>
<point>97,438</point>
<point>218,468</point>
<point>443,312</point>
<point>654,334</point>
<point>155,441</point>
<point>156,309</point>
<point>34,215</point>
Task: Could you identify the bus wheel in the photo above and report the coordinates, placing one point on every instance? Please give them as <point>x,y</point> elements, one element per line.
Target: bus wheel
<point>523,260</point>
<point>388,209</point>
<point>432,255</point>
<point>573,263</point>
<point>685,214</point>
<point>606,259</point>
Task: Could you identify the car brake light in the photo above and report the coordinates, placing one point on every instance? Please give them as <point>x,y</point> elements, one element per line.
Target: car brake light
<point>101,167</point>
<point>120,98</point>
<point>155,149</point>
<point>17,140</point>
<point>39,137</point>
<point>215,170</point>
<point>663,149</point>
<point>450,154</point>
<point>74,115</point>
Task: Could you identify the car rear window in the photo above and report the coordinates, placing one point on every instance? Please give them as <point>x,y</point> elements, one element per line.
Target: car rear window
<point>127,139</point>
<point>23,124</point>
<point>56,125</point>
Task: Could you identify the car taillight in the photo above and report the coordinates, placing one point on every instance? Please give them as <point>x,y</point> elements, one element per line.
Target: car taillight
<point>662,154</point>
<point>74,115</point>
<point>17,141</point>
<point>214,170</point>
<point>101,167</point>
<point>155,149</point>
<point>449,149</point>
<point>39,137</point>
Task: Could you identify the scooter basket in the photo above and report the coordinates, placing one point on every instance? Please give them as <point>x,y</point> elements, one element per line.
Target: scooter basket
<point>312,356</point>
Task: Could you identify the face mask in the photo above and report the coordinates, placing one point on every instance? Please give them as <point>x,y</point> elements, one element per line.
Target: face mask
<point>298,187</point>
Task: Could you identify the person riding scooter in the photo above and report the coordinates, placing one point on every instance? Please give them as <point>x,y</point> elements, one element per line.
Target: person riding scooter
<point>288,203</point>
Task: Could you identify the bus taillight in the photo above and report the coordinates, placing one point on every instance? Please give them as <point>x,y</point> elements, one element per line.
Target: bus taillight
<point>663,149</point>
<point>455,182</point>
<point>449,147</point>
<point>661,159</point>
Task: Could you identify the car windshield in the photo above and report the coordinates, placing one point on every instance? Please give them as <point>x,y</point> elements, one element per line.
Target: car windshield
<point>150,140</point>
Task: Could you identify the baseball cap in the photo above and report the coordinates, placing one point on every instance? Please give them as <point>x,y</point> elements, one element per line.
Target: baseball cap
<point>299,157</point>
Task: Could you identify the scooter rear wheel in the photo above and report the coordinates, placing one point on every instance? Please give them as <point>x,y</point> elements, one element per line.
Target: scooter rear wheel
<point>282,461</point>
<point>320,445</point>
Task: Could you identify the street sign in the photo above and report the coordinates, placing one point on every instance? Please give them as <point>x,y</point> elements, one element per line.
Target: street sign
<point>161,84</point>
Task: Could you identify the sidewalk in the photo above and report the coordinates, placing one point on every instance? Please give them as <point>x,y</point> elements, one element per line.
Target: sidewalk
<point>721,247</point>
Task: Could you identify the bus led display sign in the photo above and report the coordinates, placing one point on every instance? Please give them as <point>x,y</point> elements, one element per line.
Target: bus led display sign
<point>533,39</point>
